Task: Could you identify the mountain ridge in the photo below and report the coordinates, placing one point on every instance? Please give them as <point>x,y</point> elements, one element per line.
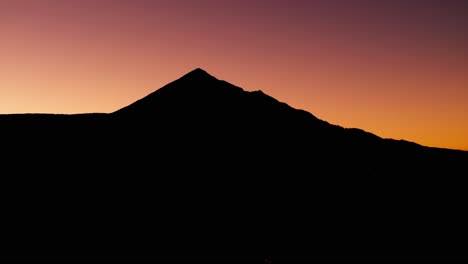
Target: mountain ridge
<point>201,167</point>
<point>200,74</point>
<point>199,78</point>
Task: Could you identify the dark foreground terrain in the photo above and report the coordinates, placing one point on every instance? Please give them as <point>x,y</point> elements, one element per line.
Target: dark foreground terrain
<point>201,170</point>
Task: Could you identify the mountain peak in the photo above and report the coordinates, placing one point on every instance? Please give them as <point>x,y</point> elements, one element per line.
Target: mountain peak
<point>195,88</point>
<point>198,71</point>
<point>198,74</point>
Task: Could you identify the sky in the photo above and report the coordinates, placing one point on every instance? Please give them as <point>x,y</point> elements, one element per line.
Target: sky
<point>398,69</point>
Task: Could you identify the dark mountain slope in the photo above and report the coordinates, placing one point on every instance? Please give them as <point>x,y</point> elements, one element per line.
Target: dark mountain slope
<point>199,104</point>
<point>202,168</point>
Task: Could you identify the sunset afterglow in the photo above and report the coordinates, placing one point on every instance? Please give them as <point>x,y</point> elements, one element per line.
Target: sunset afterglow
<point>397,68</point>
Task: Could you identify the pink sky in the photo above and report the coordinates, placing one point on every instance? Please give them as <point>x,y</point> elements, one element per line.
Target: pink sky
<point>397,69</point>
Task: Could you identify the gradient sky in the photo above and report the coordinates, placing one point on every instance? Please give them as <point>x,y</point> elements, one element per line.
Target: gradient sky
<point>398,69</point>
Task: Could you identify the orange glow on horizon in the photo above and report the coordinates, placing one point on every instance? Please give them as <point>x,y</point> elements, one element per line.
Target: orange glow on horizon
<point>84,56</point>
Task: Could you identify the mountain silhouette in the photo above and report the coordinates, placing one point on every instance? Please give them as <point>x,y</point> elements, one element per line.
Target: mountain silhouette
<point>202,170</point>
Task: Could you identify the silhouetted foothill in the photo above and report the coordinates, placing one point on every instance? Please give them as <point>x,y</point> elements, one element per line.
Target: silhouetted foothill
<point>202,170</point>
